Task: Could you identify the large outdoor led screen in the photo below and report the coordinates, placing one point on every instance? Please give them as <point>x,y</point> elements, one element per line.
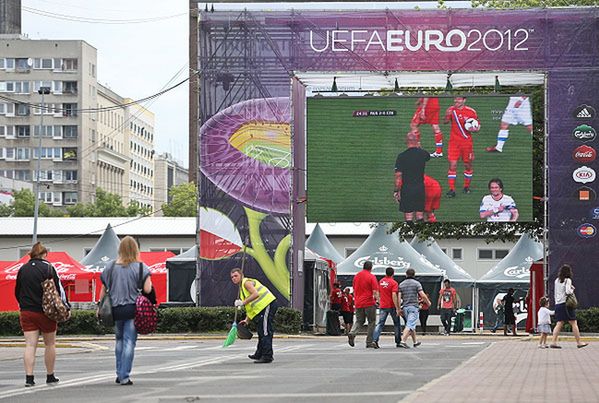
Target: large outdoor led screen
<point>353,145</point>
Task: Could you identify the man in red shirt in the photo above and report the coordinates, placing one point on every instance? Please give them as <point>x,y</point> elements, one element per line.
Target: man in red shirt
<point>427,112</point>
<point>460,143</point>
<point>389,305</point>
<point>347,309</point>
<point>366,293</point>
<point>336,295</point>
<point>448,302</point>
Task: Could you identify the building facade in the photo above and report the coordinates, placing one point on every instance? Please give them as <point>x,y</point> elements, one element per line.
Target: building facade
<point>167,173</point>
<point>139,139</point>
<point>68,70</point>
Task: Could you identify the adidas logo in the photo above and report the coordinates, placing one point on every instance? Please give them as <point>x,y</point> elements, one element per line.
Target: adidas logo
<point>584,111</point>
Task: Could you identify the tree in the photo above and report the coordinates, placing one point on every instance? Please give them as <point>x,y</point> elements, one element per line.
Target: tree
<point>107,205</point>
<point>6,210</point>
<point>24,204</point>
<point>183,201</point>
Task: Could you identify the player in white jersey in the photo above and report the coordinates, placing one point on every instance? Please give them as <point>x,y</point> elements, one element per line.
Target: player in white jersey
<point>497,206</point>
<point>517,112</point>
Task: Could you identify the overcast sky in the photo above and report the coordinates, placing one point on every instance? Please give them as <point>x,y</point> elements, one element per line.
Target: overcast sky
<point>136,59</point>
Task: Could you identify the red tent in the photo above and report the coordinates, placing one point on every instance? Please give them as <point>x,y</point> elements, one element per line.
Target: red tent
<point>156,261</point>
<point>77,282</point>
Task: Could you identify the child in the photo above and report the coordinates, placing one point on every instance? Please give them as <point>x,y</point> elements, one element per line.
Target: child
<point>544,321</point>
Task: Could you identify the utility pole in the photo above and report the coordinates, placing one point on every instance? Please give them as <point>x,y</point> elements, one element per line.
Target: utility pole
<point>36,194</point>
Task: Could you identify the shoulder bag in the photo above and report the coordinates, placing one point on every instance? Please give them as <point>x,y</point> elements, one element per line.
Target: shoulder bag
<point>105,305</point>
<point>146,315</point>
<point>52,304</point>
<point>571,301</point>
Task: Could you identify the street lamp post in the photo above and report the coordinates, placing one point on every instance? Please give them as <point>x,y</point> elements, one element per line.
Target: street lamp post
<point>42,91</point>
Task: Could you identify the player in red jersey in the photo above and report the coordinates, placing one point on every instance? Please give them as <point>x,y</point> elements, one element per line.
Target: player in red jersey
<point>427,112</point>
<point>432,198</point>
<point>460,143</point>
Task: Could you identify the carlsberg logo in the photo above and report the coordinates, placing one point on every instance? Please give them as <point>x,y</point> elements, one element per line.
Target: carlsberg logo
<point>382,262</point>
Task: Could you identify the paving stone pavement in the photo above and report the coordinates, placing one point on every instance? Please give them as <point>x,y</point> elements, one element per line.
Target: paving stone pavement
<point>518,371</point>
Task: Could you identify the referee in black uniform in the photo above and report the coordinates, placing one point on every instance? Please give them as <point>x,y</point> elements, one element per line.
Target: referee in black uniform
<point>409,178</point>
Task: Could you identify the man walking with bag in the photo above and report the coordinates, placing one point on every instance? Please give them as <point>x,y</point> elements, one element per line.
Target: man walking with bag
<point>366,294</point>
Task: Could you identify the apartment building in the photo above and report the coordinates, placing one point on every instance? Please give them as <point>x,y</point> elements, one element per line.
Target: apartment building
<point>139,138</point>
<point>112,151</point>
<point>167,173</point>
<point>63,121</point>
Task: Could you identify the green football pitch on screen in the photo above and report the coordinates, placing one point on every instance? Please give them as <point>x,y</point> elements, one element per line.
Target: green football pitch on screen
<point>353,144</point>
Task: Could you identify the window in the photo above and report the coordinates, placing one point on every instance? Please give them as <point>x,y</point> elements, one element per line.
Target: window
<point>23,131</point>
<point>456,253</point>
<point>23,174</point>
<point>39,84</point>
<point>23,153</point>
<point>46,197</point>
<point>444,250</point>
<point>44,175</point>
<point>22,87</point>
<point>70,198</point>
<point>69,64</point>
<point>40,63</point>
<point>69,87</point>
<point>70,176</point>
<point>349,251</point>
<point>10,64</point>
<point>69,131</point>
<point>69,109</point>
<point>492,254</point>
<point>7,109</point>
<point>23,110</point>
<point>9,153</point>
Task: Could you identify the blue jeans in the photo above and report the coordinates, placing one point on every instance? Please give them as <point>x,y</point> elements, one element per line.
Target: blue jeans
<point>383,313</point>
<point>124,350</point>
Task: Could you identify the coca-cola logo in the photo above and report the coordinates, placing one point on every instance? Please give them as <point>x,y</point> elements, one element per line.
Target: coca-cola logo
<point>516,271</point>
<point>584,175</point>
<point>584,154</point>
<point>158,267</point>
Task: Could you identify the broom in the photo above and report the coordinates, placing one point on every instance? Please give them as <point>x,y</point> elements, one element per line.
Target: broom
<point>233,332</point>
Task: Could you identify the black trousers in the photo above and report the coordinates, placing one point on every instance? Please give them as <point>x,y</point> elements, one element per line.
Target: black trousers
<point>446,315</point>
<point>423,315</point>
<point>264,325</point>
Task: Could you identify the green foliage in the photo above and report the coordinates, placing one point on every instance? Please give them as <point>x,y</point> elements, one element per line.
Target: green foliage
<point>107,205</point>
<point>83,322</point>
<point>6,210</point>
<point>183,201</point>
<point>588,320</point>
<point>24,204</point>
<point>9,324</point>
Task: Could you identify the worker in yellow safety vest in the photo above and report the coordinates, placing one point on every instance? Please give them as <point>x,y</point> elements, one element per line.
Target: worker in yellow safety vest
<point>260,306</point>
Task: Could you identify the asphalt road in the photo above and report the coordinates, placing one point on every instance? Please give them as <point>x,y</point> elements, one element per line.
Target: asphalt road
<point>305,369</point>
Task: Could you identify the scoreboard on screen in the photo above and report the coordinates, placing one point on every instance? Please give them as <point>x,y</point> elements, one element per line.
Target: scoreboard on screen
<point>353,144</point>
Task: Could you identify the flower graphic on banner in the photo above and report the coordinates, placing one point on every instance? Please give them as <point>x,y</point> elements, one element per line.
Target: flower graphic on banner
<point>245,150</point>
<point>219,239</point>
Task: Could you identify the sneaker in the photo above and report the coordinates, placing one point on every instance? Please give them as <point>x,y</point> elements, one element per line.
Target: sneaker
<point>29,384</point>
<point>417,344</point>
<point>117,380</point>
<point>436,155</point>
<point>253,357</point>
<point>403,345</point>
<point>554,346</point>
<point>128,383</point>
<point>374,345</point>
<point>450,193</point>
<point>582,345</point>
<point>263,361</point>
<point>541,346</point>
<point>466,190</point>
<point>51,379</point>
<point>350,339</point>
<point>492,149</point>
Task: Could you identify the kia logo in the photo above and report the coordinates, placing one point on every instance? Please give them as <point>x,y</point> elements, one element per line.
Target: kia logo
<point>584,154</point>
<point>584,175</point>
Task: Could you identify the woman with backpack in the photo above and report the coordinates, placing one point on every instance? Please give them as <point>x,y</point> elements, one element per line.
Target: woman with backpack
<point>29,293</point>
<point>121,280</point>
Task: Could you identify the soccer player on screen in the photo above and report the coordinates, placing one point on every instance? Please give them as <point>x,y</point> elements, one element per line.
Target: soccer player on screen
<point>427,112</point>
<point>432,198</point>
<point>517,112</point>
<point>460,143</point>
<point>498,207</point>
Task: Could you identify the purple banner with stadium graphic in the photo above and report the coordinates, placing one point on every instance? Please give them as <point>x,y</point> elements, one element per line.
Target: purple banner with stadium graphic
<point>247,61</point>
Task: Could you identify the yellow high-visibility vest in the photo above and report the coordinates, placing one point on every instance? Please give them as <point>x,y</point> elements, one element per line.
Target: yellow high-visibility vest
<point>265,297</point>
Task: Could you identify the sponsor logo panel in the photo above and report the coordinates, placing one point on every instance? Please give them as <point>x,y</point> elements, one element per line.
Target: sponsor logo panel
<point>586,194</point>
<point>584,112</point>
<point>584,133</point>
<point>584,175</point>
<point>584,154</point>
<point>586,230</point>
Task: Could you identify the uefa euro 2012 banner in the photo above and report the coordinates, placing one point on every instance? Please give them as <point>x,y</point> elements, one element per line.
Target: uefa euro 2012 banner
<point>453,158</point>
